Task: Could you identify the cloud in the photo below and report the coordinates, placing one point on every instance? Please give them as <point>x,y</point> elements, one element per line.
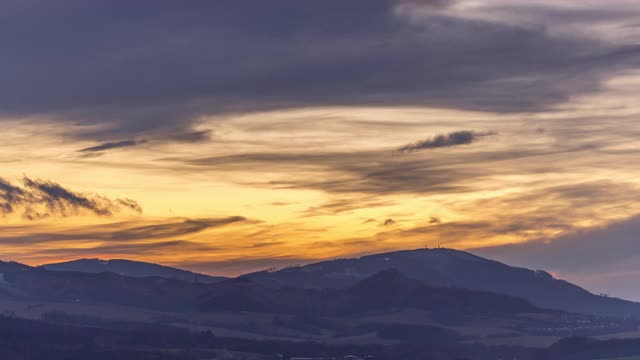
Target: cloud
<point>173,229</point>
<point>11,196</point>
<point>581,250</point>
<point>139,249</point>
<point>131,204</point>
<point>192,136</point>
<point>346,204</point>
<point>604,258</point>
<point>166,65</point>
<point>133,232</point>
<point>440,141</point>
<point>111,145</point>
<point>534,215</point>
<point>38,199</point>
<point>179,137</point>
<point>380,172</point>
<point>389,222</point>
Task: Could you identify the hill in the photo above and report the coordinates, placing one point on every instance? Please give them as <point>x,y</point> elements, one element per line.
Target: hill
<point>131,268</point>
<point>385,290</point>
<point>375,309</point>
<point>453,269</point>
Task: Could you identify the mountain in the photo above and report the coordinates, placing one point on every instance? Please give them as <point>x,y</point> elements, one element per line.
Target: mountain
<point>386,290</point>
<point>453,269</point>
<point>42,285</point>
<point>450,269</point>
<point>392,289</point>
<point>387,305</point>
<point>130,268</point>
<point>8,267</point>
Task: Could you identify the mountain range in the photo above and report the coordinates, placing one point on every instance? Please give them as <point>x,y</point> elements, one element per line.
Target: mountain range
<point>147,283</point>
<point>384,290</point>
<point>426,296</point>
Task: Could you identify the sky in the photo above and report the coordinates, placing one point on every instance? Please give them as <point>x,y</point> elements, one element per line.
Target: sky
<point>236,135</point>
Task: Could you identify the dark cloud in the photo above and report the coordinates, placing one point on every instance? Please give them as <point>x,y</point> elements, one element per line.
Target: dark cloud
<point>39,199</point>
<point>444,140</point>
<point>123,232</point>
<point>192,136</point>
<point>111,145</point>
<point>156,67</point>
<point>131,204</point>
<point>11,196</point>
<point>158,231</point>
<point>389,222</point>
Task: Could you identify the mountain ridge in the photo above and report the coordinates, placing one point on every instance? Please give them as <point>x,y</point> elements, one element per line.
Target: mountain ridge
<point>443,267</point>
<point>439,267</point>
<point>131,268</point>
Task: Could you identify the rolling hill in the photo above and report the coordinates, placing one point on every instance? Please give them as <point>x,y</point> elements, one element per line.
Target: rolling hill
<point>454,269</point>
<point>131,268</point>
<point>437,268</point>
<point>385,290</point>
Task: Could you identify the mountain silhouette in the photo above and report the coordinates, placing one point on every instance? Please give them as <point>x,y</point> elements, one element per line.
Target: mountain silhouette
<point>389,276</point>
<point>132,269</point>
<point>388,289</point>
<point>452,269</point>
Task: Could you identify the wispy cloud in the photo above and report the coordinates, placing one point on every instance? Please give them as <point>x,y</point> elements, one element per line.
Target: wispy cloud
<point>173,229</point>
<point>389,222</point>
<point>465,137</point>
<point>112,145</point>
<point>128,231</point>
<point>191,136</point>
<point>37,199</point>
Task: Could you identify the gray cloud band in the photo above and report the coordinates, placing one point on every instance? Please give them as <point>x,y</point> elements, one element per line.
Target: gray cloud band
<point>168,64</point>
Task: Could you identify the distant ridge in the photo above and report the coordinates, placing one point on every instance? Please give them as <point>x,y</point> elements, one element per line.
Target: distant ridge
<point>384,291</point>
<point>12,266</point>
<point>137,269</point>
<point>443,268</point>
<point>452,268</point>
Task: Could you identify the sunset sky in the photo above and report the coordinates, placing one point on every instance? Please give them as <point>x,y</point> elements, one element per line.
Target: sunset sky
<point>235,135</point>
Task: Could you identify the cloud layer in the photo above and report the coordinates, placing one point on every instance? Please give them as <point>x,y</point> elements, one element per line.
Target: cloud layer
<point>158,66</point>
